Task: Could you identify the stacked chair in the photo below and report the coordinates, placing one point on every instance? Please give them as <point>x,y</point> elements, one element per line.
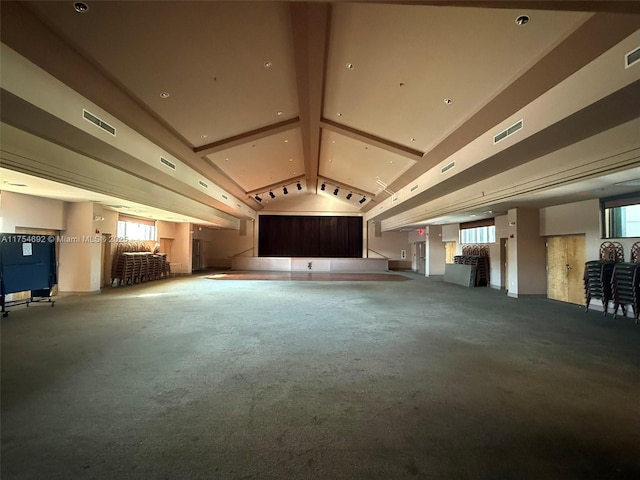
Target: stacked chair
<point>133,263</point>
<point>613,279</point>
<point>478,257</point>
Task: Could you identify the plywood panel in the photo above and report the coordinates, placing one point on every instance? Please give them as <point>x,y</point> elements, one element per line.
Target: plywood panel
<point>450,251</point>
<point>557,268</point>
<point>576,258</point>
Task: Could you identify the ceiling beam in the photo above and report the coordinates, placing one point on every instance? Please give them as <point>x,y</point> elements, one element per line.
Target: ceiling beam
<point>310,27</point>
<point>246,137</point>
<point>372,140</point>
<point>612,6</point>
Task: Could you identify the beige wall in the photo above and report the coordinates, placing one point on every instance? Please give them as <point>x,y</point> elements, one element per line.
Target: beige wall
<point>80,258</point>
<point>225,244</point>
<point>527,254</point>
<point>27,211</point>
<point>495,258</point>
<point>181,249</point>
<point>580,218</point>
<point>451,233</point>
<point>388,244</point>
<point>435,253</point>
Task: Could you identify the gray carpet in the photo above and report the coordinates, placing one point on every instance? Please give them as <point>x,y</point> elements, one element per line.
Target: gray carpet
<point>198,379</point>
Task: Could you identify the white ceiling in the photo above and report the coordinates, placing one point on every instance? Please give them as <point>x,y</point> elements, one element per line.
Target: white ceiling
<point>264,95</point>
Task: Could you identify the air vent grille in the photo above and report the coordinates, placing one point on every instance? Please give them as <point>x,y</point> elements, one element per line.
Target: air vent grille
<point>447,167</point>
<point>632,57</point>
<point>225,197</point>
<point>168,163</point>
<point>414,188</point>
<point>507,131</point>
<point>98,122</point>
<point>203,184</point>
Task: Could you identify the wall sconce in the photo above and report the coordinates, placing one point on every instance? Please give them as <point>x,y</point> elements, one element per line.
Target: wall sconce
<point>98,218</point>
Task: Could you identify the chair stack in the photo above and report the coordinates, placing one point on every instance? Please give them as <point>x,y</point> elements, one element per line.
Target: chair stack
<point>480,270</point>
<point>625,286</point>
<point>597,282</point>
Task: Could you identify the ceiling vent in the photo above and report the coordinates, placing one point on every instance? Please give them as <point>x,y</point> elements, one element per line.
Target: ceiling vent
<point>508,131</point>
<point>90,117</point>
<point>632,57</point>
<point>203,184</point>
<point>225,197</point>
<point>447,167</point>
<point>168,163</point>
<point>414,188</point>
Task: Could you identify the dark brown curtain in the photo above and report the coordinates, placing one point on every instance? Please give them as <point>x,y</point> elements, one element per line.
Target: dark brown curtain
<point>304,236</point>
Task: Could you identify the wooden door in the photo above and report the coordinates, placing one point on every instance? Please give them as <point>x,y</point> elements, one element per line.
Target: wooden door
<point>565,265</point>
<point>450,249</point>
<point>165,247</point>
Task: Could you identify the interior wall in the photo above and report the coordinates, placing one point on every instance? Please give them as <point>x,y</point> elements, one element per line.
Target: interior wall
<point>28,211</point>
<point>451,233</point>
<point>388,244</point>
<point>580,218</point>
<point>181,249</point>
<point>80,256</point>
<point>229,243</point>
<point>527,254</point>
<point>495,257</point>
<point>436,253</point>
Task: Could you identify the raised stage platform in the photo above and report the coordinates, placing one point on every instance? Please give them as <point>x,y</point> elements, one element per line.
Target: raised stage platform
<point>299,264</point>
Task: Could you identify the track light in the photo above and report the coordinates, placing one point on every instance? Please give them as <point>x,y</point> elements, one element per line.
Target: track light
<point>299,186</point>
<point>349,195</point>
<point>257,197</point>
<point>271,194</point>
<point>284,190</point>
<point>364,199</point>
<point>322,187</point>
<point>335,192</point>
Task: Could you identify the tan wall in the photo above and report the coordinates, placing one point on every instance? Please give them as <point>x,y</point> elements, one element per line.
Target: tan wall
<point>435,254</point>
<point>580,218</point>
<point>527,254</point>
<point>495,259</point>
<point>451,233</point>
<point>389,244</point>
<point>229,243</point>
<point>181,249</point>
<point>80,259</point>
<point>19,210</point>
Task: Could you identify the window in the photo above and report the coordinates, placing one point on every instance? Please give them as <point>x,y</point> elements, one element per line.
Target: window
<point>478,235</point>
<point>133,228</point>
<point>621,216</point>
<point>480,231</point>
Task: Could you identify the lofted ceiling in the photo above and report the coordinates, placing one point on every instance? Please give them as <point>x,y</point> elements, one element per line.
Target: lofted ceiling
<point>361,97</point>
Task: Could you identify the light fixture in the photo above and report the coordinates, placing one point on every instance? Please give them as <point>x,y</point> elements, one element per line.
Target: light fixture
<point>267,64</point>
<point>322,187</point>
<point>291,159</point>
<point>272,195</point>
<point>349,195</point>
<point>280,112</point>
<point>299,186</point>
<point>164,94</point>
<point>448,101</point>
<point>349,66</point>
<point>257,197</point>
<point>522,20</point>
<point>284,190</point>
<point>335,192</point>
<point>364,199</point>
<point>339,114</point>
<point>98,218</point>
<point>80,7</point>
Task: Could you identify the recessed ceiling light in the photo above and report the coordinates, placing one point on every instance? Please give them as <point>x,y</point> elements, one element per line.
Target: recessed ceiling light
<point>226,159</point>
<point>390,161</point>
<point>204,136</point>
<point>330,160</point>
<point>472,215</point>
<point>402,84</point>
<point>522,20</point>
<point>448,101</point>
<point>413,139</point>
<point>280,112</point>
<point>164,95</point>
<point>286,141</point>
<point>267,64</point>
<point>339,114</point>
<point>333,141</point>
<point>291,159</point>
<point>81,7</point>
<point>350,66</point>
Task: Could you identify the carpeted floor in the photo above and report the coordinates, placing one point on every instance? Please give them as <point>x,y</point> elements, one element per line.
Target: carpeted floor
<point>190,378</point>
<point>311,277</point>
